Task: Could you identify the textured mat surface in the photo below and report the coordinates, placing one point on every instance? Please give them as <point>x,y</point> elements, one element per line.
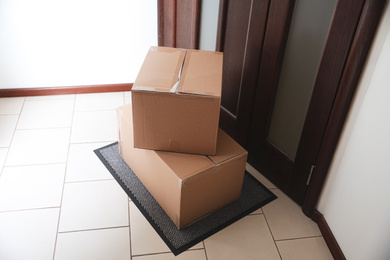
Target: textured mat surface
<point>254,196</point>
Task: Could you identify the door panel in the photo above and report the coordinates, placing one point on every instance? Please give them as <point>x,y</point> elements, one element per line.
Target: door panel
<point>309,28</point>
<point>279,18</point>
<point>234,47</point>
<point>240,36</point>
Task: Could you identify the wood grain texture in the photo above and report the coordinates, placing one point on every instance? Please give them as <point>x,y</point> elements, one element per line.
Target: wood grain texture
<point>178,23</point>
<point>250,70</point>
<point>166,29</point>
<point>237,24</point>
<point>187,24</point>
<point>241,31</point>
<point>23,92</point>
<point>279,19</point>
<point>275,161</point>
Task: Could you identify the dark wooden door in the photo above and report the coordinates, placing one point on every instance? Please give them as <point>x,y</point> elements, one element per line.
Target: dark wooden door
<point>241,32</point>
<point>253,35</point>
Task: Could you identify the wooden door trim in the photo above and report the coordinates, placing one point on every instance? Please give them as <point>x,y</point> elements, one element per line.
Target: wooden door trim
<point>365,33</point>
<point>329,238</point>
<point>65,90</point>
<point>178,23</point>
<point>221,29</point>
<point>166,23</point>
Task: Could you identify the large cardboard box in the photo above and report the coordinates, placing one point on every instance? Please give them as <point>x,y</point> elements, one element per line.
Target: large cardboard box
<point>176,100</point>
<point>187,186</point>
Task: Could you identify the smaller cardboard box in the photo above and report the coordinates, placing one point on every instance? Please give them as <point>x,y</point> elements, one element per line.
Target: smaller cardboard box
<point>187,186</point>
<point>176,100</point>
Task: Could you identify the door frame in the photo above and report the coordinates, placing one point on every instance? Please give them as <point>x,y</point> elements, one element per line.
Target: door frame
<point>333,68</point>
<point>344,57</point>
<point>178,23</point>
<point>360,46</point>
<point>349,40</point>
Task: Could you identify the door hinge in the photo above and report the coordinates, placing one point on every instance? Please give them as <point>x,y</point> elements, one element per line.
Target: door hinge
<point>311,172</point>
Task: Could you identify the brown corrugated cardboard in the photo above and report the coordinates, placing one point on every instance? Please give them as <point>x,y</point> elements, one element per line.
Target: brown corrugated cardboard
<point>178,115</point>
<point>187,186</point>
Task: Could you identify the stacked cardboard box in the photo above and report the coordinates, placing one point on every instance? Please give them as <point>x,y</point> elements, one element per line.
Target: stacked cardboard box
<point>169,135</point>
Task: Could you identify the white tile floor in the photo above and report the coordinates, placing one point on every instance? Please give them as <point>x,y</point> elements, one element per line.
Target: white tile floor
<point>57,200</point>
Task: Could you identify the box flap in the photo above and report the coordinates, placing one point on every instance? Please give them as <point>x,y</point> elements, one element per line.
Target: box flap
<point>226,148</point>
<point>202,73</point>
<point>185,165</point>
<point>160,70</point>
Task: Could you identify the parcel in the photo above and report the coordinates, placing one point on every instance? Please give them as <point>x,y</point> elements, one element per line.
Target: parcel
<point>176,100</point>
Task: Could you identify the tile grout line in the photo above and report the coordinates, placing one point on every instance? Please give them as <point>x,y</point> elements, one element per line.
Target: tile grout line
<point>205,251</point>
<point>71,182</point>
<point>167,252</point>
<point>13,135</point>
<point>15,114</point>
<point>63,186</point>
<point>43,128</point>
<point>94,110</point>
<point>297,238</point>
<point>273,238</point>
<point>152,254</point>
<point>30,209</point>
<point>90,229</point>
<point>91,142</point>
<point>38,164</point>
<point>95,142</point>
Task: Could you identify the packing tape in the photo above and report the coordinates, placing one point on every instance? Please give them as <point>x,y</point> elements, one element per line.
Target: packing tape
<point>175,87</point>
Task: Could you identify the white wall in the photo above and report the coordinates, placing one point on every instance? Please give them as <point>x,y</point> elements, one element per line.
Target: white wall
<point>208,24</point>
<point>46,43</point>
<point>356,197</point>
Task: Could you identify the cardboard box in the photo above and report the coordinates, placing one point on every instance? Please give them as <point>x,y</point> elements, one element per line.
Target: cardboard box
<point>187,186</point>
<point>178,115</point>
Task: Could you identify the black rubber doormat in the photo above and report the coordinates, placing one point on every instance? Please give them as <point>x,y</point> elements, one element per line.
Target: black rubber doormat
<point>254,196</point>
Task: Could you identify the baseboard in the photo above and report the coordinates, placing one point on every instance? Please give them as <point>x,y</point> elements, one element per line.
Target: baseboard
<point>23,92</point>
<point>330,240</point>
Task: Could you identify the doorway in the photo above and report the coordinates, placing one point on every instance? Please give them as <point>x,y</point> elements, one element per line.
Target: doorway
<point>257,38</point>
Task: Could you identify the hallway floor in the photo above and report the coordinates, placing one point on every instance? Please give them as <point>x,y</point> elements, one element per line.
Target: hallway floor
<point>57,200</point>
